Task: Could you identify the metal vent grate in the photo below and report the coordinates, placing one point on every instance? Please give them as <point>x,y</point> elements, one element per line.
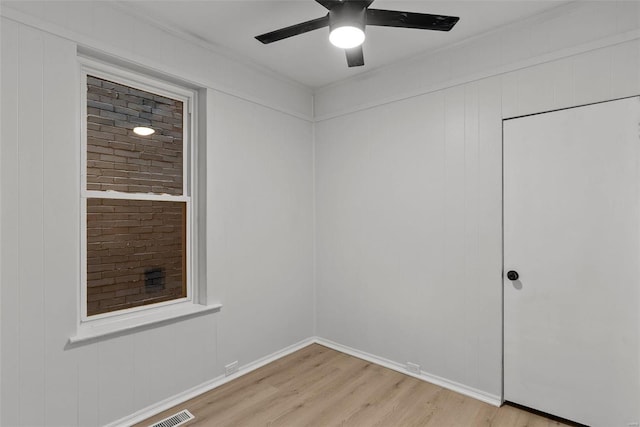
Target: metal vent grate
<point>175,420</point>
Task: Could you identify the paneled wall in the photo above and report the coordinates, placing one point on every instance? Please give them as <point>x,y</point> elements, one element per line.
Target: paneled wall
<point>409,232</point>
<point>259,243</point>
<point>563,32</point>
<point>408,185</point>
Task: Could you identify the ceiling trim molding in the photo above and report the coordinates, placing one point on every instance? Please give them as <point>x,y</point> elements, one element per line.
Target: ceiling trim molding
<point>102,49</point>
<point>205,44</point>
<point>542,59</point>
<point>427,53</point>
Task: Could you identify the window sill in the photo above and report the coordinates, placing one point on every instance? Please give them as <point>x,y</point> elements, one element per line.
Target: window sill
<point>111,327</point>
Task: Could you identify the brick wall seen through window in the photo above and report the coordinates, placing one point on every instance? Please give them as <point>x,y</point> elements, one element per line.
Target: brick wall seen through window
<point>118,159</point>
<point>136,249</point>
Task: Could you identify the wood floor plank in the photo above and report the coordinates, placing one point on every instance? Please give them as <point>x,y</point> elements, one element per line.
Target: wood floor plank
<point>318,386</point>
<point>385,398</point>
<point>452,407</point>
<point>321,406</point>
<point>415,407</point>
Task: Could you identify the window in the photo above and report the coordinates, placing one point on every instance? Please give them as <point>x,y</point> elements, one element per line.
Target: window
<point>136,194</point>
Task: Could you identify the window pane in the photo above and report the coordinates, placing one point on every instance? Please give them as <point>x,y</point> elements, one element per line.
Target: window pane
<point>120,160</point>
<point>136,253</point>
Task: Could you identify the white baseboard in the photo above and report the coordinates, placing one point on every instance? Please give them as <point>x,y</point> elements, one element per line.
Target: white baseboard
<point>424,376</point>
<point>179,398</point>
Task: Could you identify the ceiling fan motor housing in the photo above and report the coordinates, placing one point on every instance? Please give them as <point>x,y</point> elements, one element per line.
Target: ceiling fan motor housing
<point>350,13</point>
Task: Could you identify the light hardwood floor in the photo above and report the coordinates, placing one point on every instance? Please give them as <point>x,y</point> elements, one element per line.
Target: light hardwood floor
<point>318,386</point>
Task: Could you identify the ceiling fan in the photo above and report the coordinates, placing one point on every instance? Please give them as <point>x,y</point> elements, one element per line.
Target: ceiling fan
<point>347,20</point>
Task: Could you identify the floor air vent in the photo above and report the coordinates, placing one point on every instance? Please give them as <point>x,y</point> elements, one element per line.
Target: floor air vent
<point>175,420</point>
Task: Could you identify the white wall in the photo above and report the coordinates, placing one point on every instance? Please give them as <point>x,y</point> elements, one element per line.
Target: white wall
<point>260,251</point>
<point>408,184</point>
<point>258,223</point>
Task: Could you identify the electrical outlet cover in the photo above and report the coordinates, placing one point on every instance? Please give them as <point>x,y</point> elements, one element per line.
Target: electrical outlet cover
<point>413,368</point>
<point>231,368</point>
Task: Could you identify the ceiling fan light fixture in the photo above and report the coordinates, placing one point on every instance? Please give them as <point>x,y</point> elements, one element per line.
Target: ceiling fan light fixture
<point>346,22</point>
<point>346,37</point>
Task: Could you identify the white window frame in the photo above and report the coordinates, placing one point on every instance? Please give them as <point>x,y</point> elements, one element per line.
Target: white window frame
<point>90,327</point>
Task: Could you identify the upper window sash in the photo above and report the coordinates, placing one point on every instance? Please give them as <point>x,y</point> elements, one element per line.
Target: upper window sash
<point>136,81</point>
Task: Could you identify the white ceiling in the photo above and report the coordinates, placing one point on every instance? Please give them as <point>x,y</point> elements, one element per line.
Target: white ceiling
<point>230,26</point>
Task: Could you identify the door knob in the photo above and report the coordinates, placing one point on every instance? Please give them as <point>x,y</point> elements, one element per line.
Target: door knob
<point>512,275</point>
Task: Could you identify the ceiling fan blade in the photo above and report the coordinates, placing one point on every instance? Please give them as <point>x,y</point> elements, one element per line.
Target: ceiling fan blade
<point>355,57</point>
<point>294,30</point>
<point>328,4</point>
<point>422,21</point>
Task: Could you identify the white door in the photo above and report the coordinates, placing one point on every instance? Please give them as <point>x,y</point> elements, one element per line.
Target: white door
<point>572,233</point>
